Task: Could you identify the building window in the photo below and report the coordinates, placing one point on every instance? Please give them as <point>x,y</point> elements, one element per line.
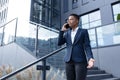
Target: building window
<point>91,20</point>
<point>74,4</point>
<point>46,12</point>
<point>74,1</point>
<point>116,10</point>
<point>84,2</point>
<point>40,12</point>
<point>108,35</point>
<point>92,35</point>
<point>65,5</point>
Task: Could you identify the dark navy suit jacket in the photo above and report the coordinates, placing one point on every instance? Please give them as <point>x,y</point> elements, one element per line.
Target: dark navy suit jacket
<point>80,50</point>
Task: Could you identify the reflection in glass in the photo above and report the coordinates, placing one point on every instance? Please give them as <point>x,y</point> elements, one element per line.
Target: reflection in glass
<point>27,36</point>
<point>99,36</point>
<point>84,19</point>
<point>117,33</point>
<point>46,12</point>
<point>85,26</point>
<point>46,34</point>
<point>117,28</point>
<point>9,32</point>
<point>115,17</point>
<point>116,10</point>
<point>92,37</point>
<point>48,39</point>
<point>94,16</point>
<point>95,23</point>
<point>105,35</point>
<point>93,19</point>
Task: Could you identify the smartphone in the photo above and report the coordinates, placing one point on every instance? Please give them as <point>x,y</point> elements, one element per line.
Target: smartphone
<point>67,26</point>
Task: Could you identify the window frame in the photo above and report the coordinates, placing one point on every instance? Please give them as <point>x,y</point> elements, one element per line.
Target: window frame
<point>118,2</point>
<point>89,22</point>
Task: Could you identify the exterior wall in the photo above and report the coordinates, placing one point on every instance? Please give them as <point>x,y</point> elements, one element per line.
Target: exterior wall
<point>103,5</point>
<point>108,58</point>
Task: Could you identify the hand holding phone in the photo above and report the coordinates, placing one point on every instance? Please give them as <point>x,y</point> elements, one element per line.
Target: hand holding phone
<point>67,26</point>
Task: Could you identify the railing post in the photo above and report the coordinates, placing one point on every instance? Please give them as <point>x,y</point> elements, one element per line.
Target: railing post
<point>16,29</point>
<point>36,42</point>
<point>43,67</point>
<point>2,43</point>
<point>44,70</point>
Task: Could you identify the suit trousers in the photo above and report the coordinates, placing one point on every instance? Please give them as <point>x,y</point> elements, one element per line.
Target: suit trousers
<point>76,70</point>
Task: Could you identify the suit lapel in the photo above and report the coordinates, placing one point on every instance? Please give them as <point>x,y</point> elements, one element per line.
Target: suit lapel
<point>78,34</point>
<point>69,36</point>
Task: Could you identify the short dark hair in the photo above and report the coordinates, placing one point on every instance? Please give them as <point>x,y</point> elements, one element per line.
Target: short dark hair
<point>75,15</point>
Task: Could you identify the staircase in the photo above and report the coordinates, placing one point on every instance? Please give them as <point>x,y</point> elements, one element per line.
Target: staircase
<point>96,74</point>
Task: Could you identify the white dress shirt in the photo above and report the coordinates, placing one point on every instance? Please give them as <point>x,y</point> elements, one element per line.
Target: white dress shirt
<point>73,33</point>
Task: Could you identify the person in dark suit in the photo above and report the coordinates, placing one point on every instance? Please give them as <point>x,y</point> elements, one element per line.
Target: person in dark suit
<point>79,55</point>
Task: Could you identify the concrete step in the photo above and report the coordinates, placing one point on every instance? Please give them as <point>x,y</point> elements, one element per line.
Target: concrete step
<point>98,76</point>
<point>111,79</point>
<point>95,72</point>
<point>94,68</point>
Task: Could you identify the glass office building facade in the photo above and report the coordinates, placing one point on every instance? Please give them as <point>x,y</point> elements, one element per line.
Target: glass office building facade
<point>46,12</point>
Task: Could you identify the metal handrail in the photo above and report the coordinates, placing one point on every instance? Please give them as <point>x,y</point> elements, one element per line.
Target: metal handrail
<point>42,26</point>
<point>31,64</point>
<point>9,22</point>
<point>3,26</point>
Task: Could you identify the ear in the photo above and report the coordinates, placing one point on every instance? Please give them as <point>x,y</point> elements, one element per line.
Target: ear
<point>77,21</point>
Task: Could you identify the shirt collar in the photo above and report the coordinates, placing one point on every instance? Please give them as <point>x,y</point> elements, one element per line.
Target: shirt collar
<point>76,29</point>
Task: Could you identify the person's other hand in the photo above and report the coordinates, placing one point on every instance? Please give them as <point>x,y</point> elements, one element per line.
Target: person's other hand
<point>91,63</point>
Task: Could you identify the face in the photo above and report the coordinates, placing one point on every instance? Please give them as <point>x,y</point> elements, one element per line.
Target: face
<point>72,21</point>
